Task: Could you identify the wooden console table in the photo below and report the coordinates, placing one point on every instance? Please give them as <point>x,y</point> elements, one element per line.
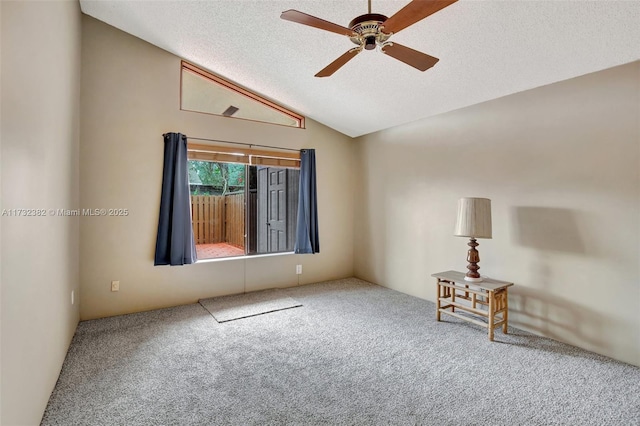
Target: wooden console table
<point>470,297</point>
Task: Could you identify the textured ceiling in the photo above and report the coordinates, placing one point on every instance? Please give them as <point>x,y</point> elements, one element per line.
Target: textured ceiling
<point>487,49</point>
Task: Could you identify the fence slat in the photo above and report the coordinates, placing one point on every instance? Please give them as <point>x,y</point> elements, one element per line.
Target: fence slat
<point>207,219</point>
<point>202,219</point>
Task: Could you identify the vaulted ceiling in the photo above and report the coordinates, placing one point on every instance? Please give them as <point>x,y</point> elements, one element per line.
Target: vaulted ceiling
<point>487,49</point>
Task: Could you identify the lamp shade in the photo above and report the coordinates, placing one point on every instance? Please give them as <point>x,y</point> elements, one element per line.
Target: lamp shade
<point>474,218</point>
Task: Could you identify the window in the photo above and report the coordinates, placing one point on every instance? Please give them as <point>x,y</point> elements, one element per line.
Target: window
<point>202,91</point>
<point>242,203</point>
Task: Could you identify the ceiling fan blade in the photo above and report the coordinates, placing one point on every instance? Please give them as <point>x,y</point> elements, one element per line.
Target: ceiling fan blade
<point>338,63</point>
<point>312,21</point>
<point>412,13</point>
<point>416,59</point>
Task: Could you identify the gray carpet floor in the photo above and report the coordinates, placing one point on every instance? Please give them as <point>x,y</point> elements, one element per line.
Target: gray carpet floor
<point>353,354</point>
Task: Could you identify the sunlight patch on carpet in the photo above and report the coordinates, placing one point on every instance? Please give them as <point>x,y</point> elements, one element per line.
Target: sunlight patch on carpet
<point>238,306</point>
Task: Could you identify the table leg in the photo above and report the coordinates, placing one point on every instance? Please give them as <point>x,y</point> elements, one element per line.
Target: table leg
<point>453,297</point>
<point>492,309</point>
<point>505,314</point>
<point>438,301</point>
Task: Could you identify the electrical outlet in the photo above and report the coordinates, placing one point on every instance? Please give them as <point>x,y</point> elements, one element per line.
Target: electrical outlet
<point>72,298</point>
<point>115,285</point>
<point>298,269</point>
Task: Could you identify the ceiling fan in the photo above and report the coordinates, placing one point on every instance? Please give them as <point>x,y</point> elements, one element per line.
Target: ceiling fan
<point>372,29</point>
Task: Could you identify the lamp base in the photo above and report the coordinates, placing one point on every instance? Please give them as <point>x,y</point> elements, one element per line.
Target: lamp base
<point>473,257</point>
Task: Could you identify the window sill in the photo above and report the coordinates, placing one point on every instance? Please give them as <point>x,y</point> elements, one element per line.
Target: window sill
<point>252,256</point>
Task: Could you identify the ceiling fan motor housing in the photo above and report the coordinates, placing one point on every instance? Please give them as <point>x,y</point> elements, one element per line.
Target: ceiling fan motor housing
<point>368,29</point>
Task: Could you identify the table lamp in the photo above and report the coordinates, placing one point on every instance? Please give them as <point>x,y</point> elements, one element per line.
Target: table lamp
<point>474,221</point>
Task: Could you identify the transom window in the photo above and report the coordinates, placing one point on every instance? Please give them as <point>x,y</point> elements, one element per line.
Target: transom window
<point>202,91</point>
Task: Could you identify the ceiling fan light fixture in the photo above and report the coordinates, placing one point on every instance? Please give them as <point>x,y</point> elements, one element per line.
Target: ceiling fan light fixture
<point>370,43</point>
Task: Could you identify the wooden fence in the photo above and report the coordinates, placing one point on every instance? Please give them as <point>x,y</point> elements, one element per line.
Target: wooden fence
<point>218,219</point>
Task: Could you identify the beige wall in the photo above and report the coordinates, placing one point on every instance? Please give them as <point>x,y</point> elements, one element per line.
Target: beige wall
<point>560,164</point>
<point>130,97</point>
<point>1,206</point>
<point>40,136</point>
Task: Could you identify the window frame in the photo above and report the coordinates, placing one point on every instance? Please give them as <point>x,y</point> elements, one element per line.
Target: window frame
<point>249,157</point>
<point>184,65</point>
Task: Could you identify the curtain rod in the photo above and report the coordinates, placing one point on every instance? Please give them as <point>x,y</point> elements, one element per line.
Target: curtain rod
<point>245,144</point>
